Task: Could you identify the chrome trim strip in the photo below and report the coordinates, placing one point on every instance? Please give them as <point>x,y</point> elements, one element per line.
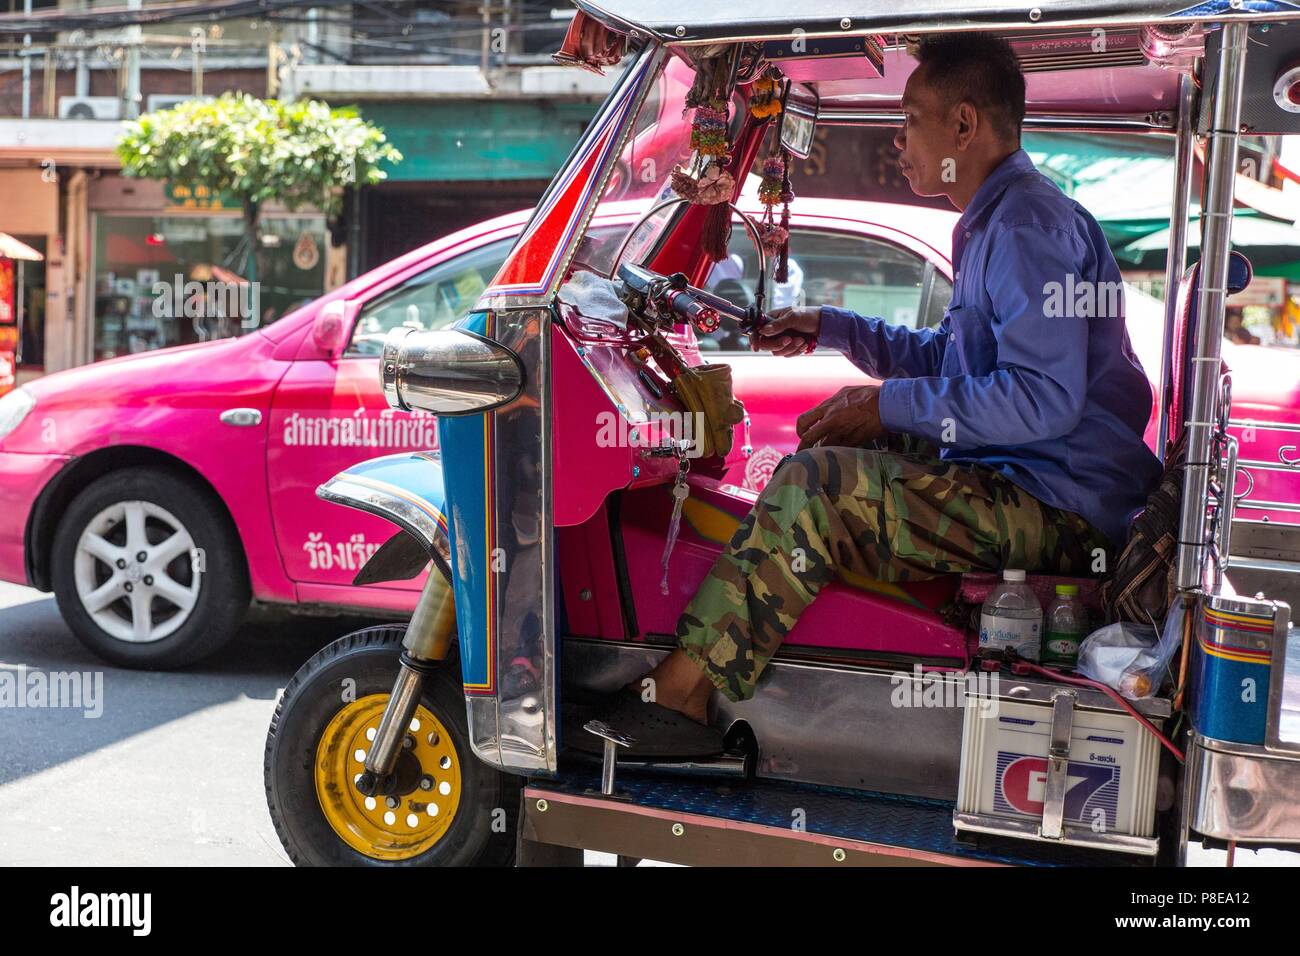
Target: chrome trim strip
<point>550,621</point>
<point>1259,504</point>
<point>1227,505</point>
<point>1240,563</point>
<point>400,507</point>
<point>1284,467</point>
<point>1264,426</point>
<point>1071,835</point>
<point>1277,696</point>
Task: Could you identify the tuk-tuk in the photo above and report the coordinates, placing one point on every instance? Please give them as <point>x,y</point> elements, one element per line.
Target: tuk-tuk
<point>576,504</point>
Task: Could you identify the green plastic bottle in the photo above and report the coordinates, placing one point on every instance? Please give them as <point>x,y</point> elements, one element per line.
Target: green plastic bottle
<point>1065,624</point>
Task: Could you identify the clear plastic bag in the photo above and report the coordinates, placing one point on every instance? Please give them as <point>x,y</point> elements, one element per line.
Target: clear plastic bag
<point>1132,658</point>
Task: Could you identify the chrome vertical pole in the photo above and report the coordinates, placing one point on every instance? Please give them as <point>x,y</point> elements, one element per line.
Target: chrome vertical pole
<point>1216,230</point>
<point>1176,260</point>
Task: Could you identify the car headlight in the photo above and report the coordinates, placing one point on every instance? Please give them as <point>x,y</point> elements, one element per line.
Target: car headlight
<point>14,407</point>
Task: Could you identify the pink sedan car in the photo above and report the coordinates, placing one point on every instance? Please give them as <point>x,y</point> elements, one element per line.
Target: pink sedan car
<point>157,494</point>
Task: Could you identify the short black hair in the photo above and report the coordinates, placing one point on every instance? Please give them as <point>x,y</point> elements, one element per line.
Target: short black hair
<point>980,69</point>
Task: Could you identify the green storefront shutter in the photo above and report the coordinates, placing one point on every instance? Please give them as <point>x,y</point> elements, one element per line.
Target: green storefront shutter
<point>464,140</point>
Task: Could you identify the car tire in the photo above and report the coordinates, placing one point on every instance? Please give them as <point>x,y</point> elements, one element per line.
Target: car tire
<point>148,570</point>
<point>312,759</point>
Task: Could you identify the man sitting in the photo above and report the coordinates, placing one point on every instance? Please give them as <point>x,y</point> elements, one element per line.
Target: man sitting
<point>1030,391</point>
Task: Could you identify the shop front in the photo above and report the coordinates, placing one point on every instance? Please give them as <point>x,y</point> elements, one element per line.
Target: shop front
<point>171,268</point>
<point>28,232</point>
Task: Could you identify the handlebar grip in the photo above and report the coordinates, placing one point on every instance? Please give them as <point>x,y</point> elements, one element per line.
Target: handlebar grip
<point>688,306</point>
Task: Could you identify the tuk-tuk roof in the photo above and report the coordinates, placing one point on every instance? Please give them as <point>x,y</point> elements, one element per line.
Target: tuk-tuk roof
<point>685,21</point>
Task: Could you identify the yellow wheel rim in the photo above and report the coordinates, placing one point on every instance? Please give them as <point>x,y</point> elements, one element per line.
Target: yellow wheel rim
<point>370,825</point>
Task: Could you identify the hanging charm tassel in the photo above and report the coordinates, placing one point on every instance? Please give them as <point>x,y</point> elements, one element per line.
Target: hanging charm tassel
<point>782,272</point>
<point>765,96</point>
<point>680,492</point>
<point>716,235</point>
<point>772,236</point>
<point>707,182</point>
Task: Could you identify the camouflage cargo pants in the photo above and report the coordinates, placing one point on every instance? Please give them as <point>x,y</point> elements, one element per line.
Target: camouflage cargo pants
<point>880,514</point>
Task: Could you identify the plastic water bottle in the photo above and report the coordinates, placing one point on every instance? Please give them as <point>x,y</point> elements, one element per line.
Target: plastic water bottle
<point>1012,618</point>
<point>1065,625</point>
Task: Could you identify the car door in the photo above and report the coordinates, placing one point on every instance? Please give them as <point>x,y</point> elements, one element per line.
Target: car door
<point>870,273</point>
<point>328,415</point>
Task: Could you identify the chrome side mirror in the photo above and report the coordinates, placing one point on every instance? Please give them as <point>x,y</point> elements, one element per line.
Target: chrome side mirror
<point>448,372</point>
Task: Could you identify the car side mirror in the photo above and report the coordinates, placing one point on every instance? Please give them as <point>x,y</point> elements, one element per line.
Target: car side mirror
<point>329,332</point>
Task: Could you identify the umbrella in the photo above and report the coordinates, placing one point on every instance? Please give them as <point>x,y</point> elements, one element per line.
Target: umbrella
<point>11,248</point>
<point>1265,242</point>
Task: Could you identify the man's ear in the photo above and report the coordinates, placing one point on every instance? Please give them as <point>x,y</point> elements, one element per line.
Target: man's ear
<point>967,118</point>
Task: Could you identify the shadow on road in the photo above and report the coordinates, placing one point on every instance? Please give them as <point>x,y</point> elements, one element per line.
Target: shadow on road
<point>261,659</point>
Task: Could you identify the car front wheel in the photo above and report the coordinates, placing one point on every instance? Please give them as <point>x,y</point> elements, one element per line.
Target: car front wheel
<point>147,571</point>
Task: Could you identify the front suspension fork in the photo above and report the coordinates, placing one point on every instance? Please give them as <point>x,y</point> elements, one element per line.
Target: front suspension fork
<point>428,638</point>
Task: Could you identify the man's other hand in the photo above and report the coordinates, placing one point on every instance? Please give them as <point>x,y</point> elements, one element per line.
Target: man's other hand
<point>773,337</point>
<point>850,418</point>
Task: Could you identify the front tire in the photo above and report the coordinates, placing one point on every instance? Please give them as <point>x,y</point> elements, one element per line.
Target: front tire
<point>462,816</point>
<point>147,570</point>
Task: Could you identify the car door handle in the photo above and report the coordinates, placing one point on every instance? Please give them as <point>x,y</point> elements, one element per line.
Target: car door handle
<point>241,417</point>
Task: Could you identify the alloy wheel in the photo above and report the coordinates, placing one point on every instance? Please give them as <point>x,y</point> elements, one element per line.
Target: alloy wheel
<point>136,571</point>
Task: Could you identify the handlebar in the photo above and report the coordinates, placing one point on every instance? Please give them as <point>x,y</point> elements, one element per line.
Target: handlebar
<point>701,309</point>
<point>692,309</point>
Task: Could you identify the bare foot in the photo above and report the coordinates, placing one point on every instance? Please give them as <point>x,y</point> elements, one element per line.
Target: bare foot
<point>678,684</point>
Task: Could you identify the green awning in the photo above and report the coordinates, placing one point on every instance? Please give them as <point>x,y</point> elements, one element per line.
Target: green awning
<point>1124,181</point>
<point>461,140</point>
<point>1290,271</point>
<point>1266,242</point>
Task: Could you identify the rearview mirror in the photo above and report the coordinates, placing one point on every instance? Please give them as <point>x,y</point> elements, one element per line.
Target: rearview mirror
<point>799,122</point>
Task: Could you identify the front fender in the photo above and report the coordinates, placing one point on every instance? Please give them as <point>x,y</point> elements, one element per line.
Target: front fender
<point>406,489</point>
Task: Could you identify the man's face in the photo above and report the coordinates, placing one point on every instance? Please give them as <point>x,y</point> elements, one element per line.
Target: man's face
<point>927,143</point>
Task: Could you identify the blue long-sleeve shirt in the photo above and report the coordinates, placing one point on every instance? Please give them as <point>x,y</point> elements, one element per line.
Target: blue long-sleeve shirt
<point>1030,372</point>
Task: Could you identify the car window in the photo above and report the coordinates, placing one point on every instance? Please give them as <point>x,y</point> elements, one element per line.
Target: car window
<point>940,295</point>
<point>868,276</point>
<point>432,299</point>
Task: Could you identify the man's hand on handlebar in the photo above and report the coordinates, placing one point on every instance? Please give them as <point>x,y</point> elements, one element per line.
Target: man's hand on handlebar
<point>850,418</point>
<point>780,334</point>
